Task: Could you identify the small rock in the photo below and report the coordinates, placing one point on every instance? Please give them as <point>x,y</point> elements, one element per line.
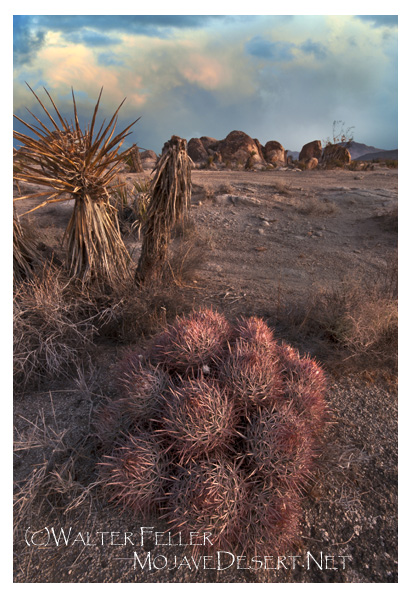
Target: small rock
<point>261,231</point>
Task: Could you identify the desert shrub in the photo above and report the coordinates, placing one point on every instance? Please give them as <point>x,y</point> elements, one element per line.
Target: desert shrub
<point>301,165</point>
<point>392,163</point>
<point>280,187</point>
<point>226,188</point>
<point>238,424</point>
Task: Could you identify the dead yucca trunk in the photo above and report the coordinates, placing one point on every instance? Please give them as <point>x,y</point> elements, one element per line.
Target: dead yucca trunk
<point>135,158</point>
<point>25,253</point>
<point>80,165</point>
<point>170,201</point>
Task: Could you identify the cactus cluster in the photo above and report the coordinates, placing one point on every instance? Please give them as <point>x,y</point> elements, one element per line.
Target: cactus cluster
<point>217,429</point>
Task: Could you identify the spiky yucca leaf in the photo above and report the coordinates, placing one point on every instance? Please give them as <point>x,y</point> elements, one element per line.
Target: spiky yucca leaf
<point>25,253</point>
<point>82,165</point>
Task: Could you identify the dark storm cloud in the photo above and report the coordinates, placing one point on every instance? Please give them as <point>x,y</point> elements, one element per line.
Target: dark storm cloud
<point>380,20</point>
<point>262,48</point>
<point>25,41</point>
<point>92,38</point>
<point>316,48</point>
<point>94,30</point>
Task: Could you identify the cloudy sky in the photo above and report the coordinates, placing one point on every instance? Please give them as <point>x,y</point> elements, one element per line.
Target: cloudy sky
<point>284,78</point>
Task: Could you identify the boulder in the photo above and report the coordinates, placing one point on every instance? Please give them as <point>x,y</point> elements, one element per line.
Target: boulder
<point>274,153</point>
<point>209,143</point>
<point>334,155</point>
<point>148,158</point>
<point>311,163</point>
<point>196,150</point>
<point>311,150</point>
<point>260,149</point>
<point>238,147</point>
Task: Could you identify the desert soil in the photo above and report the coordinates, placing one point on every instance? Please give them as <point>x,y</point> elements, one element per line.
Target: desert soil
<point>268,238</point>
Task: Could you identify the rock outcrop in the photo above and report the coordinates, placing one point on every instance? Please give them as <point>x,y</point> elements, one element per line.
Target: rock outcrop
<point>311,150</point>
<point>334,155</point>
<point>196,150</point>
<point>237,150</point>
<point>274,153</point>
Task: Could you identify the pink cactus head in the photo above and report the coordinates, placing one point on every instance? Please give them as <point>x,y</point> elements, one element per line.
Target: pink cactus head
<point>281,446</point>
<point>192,342</point>
<point>141,386</point>
<point>253,375</point>
<point>133,476</point>
<point>209,496</point>
<point>254,330</point>
<point>199,417</point>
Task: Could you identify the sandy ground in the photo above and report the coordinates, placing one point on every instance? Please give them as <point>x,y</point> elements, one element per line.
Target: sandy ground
<point>268,238</point>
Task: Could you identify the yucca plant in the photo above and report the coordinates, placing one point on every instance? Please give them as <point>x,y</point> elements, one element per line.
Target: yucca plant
<point>81,165</point>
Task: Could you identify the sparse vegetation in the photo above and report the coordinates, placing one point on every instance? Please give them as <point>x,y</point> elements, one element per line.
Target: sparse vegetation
<point>354,325</point>
<point>52,329</point>
<point>342,135</point>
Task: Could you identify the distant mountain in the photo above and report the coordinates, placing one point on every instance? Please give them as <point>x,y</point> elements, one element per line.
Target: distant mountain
<point>294,155</point>
<point>381,155</point>
<point>357,150</point>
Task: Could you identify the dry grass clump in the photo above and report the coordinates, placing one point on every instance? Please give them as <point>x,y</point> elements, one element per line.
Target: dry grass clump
<point>353,326</point>
<point>317,207</point>
<point>131,205</point>
<point>83,165</point>
<point>51,332</point>
<point>57,459</point>
<point>281,188</point>
<point>226,188</point>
